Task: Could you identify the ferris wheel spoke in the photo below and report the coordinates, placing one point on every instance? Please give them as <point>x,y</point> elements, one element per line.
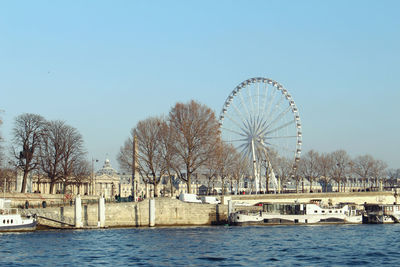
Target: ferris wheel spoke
<point>237,140</point>
<point>280,147</point>
<point>238,112</point>
<point>235,122</point>
<point>258,98</point>
<point>242,101</point>
<point>265,98</point>
<point>276,107</point>
<point>249,126</point>
<point>233,131</point>
<point>270,101</point>
<point>281,137</point>
<point>244,149</point>
<point>280,127</point>
<point>260,124</point>
<point>251,99</point>
<point>280,116</point>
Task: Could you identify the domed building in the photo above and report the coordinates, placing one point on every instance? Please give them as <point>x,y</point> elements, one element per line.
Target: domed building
<point>107,181</point>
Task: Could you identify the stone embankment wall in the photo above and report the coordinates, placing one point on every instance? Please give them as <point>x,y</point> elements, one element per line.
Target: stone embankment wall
<point>169,212</point>
<point>36,200</point>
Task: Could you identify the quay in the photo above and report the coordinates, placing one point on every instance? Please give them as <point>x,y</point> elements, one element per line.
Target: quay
<point>87,212</point>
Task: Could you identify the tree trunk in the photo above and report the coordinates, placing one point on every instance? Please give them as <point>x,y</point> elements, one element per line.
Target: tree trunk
<point>188,184</point>
<point>172,186</point>
<point>155,189</point>
<point>51,187</point>
<point>24,178</point>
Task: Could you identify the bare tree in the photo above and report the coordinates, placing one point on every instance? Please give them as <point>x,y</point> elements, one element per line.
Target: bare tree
<point>125,155</point>
<point>341,167</point>
<point>363,166</point>
<point>325,166</point>
<point>211,170</point>
<point>196,133</point>
<point>226,159</point>
<point>283,169</point>
<point>8,176</point>
<point>239,170</point>
<point>394,175</point>
<point>151,161</point>
<point>308,166</point>
<point>80,173</point>
<point>167,151</point>
<point>52,151</point>
<point>74,155</point>
<point>27,135</point>
<point>61,153</point>
<point>378,171</point>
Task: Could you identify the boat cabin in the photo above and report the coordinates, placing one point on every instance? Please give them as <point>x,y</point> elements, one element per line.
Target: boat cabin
<point>382,209</point>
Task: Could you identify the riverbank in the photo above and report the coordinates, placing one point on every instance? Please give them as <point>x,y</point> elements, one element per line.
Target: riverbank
<point>170,211</point>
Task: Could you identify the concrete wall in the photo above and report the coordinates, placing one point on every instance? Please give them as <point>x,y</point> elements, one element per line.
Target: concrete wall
<point>169,212</point>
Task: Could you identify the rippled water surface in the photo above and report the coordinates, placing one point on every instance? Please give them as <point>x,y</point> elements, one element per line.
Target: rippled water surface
<point>325,245</point>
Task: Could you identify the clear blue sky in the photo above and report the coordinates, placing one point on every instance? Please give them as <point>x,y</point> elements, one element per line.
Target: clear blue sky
<point>104,65</point>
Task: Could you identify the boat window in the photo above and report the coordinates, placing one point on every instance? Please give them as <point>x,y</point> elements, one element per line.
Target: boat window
<point>330,211</point>
<point>335,211</point>
<point>315,211</point>
<point>11,220</point>
<point>323,211</point>
<point>8,221</point>
<point>4,221</point>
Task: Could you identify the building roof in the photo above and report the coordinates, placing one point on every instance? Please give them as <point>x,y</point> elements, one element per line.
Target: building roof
<point>107,169</point>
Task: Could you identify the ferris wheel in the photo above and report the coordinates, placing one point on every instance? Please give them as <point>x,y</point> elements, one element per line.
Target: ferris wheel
<point>260,118</point>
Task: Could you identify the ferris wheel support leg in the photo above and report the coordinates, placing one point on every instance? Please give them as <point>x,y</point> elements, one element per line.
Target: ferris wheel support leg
<point>256,178</point>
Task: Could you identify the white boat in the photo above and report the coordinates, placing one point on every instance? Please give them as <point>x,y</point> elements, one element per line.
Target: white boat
<point>296,213</point>
<point>381,213</point>
<point>12,221</point>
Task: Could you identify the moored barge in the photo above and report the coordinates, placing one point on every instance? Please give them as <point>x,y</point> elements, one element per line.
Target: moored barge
<point>296,213</point>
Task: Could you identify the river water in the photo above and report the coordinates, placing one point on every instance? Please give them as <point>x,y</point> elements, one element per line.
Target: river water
<point>317,245</point>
